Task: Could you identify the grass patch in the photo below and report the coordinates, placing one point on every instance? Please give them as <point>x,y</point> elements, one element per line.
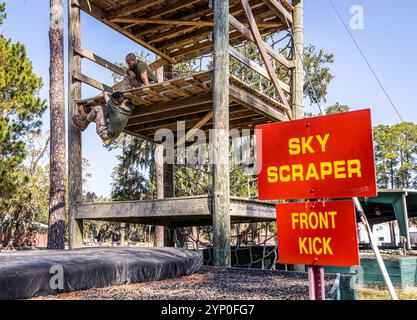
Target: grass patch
<point>382,294</point>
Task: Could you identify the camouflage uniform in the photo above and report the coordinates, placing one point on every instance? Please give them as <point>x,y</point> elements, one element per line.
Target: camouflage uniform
<point>129,83</point>
<point>99,115</point>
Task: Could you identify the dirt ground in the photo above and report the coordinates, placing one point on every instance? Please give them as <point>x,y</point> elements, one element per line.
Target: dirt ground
<point>216,284</point>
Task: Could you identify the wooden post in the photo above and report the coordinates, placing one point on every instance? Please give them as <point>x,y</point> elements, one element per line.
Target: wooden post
<point>298,51</point>
<point>169,192</point>
<point>169,187</point>
<point>220,145</point>
<point>164,180</point>
<point>297,85</point>
<point>74,134</point>
<point>159,173</point>
<point>406,222</point>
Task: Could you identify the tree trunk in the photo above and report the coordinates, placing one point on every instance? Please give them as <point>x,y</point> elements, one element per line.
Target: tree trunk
<point>56,231</point>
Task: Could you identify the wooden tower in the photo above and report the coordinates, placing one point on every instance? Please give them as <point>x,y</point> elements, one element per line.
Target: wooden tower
<point>176,31</point>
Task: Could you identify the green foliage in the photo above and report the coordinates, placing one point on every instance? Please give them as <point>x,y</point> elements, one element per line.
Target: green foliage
<point>317,75</point>
<point>20,111</point>
<point>23,182</point>
<point>2,12</point>
<point>396,155</point>
<point>30,202</point>
<point>133,177</point>
<point>337,108</point>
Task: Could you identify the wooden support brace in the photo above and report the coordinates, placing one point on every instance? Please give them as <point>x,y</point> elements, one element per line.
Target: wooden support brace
<point>91,9</point>
<point>193,130</point>
<point>256,67</point>
<point>92,82</point>
<point>260,43</point>
<point>280,11</point>
<point>246,32</point>
<point>164,21</point>
<point>100,61</point>
<point>133,8</point>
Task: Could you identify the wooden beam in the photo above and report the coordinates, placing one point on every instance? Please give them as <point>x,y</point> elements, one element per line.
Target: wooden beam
<point>91,82</point>
<point>164,21</point>
<point>172,106</point>
<point>74,134</point>
<point>169,114</point>
<point>256,104</point>
<point>297,76</point>
<point>181,211</point>
<point>256,67</point>
<point>190,122</point>
<point>199,11</point>
<point>100,61</point>
<point>133,8</point>
<point>194,129</point>
<point>221,188</point>
<point>245,31</point>
<point>99,14</point>
<point>260,43</point>
<point>174,22</point>
<point>279,10</point>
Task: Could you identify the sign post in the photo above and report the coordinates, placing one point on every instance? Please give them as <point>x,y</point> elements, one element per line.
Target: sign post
<point>317,285</point>
<point>317,158</point>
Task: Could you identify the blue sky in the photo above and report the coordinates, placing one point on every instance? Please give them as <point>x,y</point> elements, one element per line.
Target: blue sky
<point>387,41</point>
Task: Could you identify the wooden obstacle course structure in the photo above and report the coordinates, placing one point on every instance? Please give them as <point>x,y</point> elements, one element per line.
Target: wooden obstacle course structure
<point>177,31</point>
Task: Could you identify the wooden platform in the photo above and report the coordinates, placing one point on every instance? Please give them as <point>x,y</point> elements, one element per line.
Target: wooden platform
<point>178,30</point>
<point>189,99</point>
<point>175,212</point>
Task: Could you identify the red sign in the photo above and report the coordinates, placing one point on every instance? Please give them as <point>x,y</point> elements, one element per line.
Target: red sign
<point>317,233</point>
<point>322,157</point>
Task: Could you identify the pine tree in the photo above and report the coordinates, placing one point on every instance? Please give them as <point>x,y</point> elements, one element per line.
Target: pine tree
<point>56,232</point>
<point>20,112</point>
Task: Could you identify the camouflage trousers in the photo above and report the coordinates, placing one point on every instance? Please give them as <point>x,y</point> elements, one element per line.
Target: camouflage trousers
<point>129,83</point>
<point>100,116</point>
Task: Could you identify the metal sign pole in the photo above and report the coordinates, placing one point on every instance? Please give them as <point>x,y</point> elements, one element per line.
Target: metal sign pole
<point>375,248</point>
<point>317,286</point>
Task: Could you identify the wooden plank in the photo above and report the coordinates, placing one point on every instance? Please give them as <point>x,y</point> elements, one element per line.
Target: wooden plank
<point>254,103</point>
<point>245,31</point>
<point>171,106</point>
<point>256,67</point>
<point>260,43</point>
<point>100,15</point>
<point>102,62</point>
<point>170,114</point>
<point>164,21</point>
<point>279,10</point>
<point>91,82</point>
<point>194,129</point>
<point>133,8</point>
<point>149,208</point>
<point>182,211</point>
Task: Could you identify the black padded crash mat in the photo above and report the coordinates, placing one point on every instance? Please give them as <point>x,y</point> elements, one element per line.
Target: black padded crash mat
<point>35,273</point>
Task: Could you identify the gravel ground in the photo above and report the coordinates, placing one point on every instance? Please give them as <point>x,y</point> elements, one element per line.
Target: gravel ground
<point>211,284</point>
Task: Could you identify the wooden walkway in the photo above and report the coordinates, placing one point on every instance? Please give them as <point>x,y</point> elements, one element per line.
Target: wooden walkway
<point>175,212</point>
